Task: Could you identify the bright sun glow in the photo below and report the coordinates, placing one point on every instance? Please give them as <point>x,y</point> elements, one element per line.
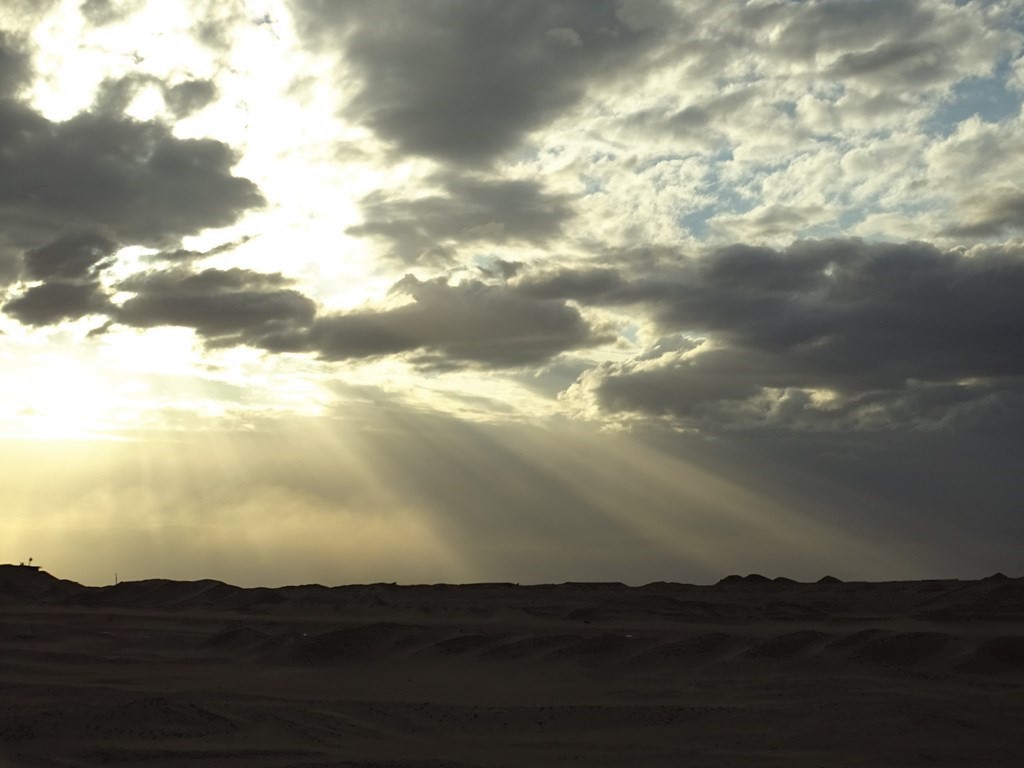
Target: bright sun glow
<point>60,399</point>
<point>479,288</point>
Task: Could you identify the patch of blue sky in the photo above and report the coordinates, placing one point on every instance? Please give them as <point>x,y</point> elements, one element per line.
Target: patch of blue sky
<point>987,97</point>
<point>592,185</point>
<point>788,108</point>
<point>727,203</point>
<point>728,198</point>
<point>696,222</point>
<point>631,333</point>
<point>849,217</point>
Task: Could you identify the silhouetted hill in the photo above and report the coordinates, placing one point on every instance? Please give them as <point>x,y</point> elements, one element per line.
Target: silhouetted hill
<point>734,598</point>
<point>21,581</point>
<point>751,579</point>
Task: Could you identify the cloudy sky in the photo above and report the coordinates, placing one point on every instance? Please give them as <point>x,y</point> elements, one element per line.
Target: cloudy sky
<point>526,290</point>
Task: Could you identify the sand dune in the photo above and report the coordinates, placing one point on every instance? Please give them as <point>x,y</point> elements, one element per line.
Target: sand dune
<point>752,671</point>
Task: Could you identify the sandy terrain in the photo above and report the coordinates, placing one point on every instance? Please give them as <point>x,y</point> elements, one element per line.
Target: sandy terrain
<point>749,672</point>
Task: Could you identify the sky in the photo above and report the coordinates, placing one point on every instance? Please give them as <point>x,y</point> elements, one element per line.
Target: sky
<point>347,291</point>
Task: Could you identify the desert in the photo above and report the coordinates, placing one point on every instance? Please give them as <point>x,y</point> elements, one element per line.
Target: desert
<point>750,671</point>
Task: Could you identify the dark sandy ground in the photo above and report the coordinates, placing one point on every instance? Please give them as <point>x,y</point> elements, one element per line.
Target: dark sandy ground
<point>750,672</point>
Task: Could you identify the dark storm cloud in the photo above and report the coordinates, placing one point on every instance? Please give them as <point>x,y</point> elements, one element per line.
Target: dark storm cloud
<point>70,267</point>
<point>14,65</point>
<point>471,322</point>
<point>105,170</point>
<point>227,307</point>
<point>463,81</point>
<point>591,284</point>
<point>101,170</point>
<point>182,99</point>
<point>58,300</point>
<point>469,210</point>
<point>188,256</point>
<point>105,180</point>
<point>190,96</point>
<point>15,71</point>
<point>897,334</point>
<point>70,256</point>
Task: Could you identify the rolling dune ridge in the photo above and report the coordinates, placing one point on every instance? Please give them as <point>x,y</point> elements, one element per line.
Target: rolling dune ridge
<point>751,671</point>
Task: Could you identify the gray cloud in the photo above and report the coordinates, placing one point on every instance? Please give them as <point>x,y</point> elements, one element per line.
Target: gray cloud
<point>100,12</point>
<point>770,221</point>
<point>699,121</point>
<point>889,46</point>
<point>100,172</point>
<point>190,96</point>
<point>445,326</point>
<point>14,75</point>
<point>135,179</point>
<point>468,323</point>
<point>830,333</point>
<point>76,255</point>
<point>58,300</point>
<point>70,267</point>
<point>227,307</point>
<point>182,99</point>
<point>914,62</point>
<point>991,214</point>
<point>470,210</point>
<point>188,256</point>
<point>464,81</point>
<point>22,14</point>
<point>854,26</point>
<point>14,65</point>
<point>588,284</point>
<point>737,389</point>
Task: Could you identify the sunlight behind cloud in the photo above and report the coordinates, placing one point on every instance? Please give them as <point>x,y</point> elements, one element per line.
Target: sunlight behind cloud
<point>59,398</point>
<point>546,287</point>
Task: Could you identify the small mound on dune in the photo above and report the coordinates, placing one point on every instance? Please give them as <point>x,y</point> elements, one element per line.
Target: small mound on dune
<point>750,579</point>
<point>29,581</point>
<point>595,586</point>
<point>163,593</point>
<point>257,596</point>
